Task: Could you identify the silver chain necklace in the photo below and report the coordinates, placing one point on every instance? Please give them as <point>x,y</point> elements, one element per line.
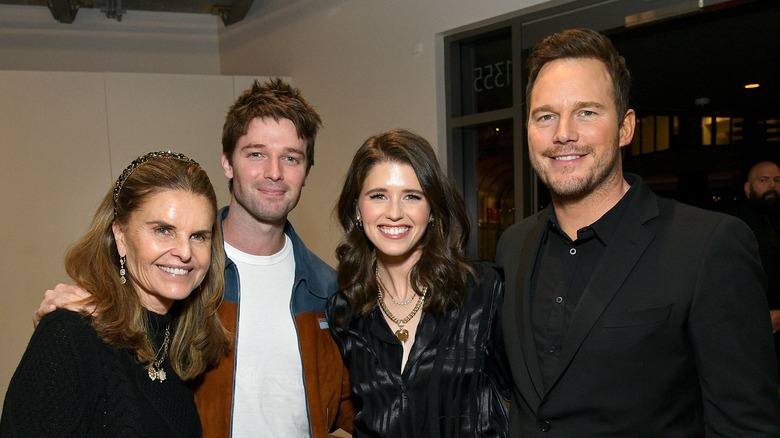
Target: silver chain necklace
<point>156,372</point>
<point>381,284</point>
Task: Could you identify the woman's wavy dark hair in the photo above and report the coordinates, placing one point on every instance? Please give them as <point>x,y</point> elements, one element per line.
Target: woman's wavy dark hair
<point>442,266</point>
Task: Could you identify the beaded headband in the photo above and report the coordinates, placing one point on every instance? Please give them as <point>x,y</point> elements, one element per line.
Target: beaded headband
<point>140,161</point>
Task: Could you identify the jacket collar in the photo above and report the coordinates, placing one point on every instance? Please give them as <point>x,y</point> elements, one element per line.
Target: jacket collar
<point>303,260</point>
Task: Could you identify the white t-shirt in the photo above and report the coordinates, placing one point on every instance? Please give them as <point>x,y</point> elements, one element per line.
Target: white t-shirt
<point>269,396</point>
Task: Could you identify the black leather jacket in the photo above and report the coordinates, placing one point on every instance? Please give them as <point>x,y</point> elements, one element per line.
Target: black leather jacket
<point>450,385</point>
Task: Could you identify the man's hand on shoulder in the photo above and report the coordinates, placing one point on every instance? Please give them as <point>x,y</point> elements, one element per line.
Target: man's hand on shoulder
<point>63,296</point>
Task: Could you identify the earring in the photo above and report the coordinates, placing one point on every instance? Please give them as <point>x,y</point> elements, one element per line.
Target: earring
<point>359,220</point>
<point>122,271</point>
<point>430,219</point>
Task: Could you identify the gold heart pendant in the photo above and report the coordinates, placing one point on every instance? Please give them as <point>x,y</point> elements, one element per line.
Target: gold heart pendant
<point>402,334</point>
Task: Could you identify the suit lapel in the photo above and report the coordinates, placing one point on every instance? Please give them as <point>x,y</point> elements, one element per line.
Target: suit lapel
<point>629,242</point>
<point>525,268</point>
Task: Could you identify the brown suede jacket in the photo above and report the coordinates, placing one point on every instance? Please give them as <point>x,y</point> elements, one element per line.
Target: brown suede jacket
<point>324,375</point>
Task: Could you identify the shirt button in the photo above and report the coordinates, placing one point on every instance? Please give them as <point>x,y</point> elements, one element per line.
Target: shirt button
<point>573,251</point>
<point>551,350</point>
<point>559,300</point>
<point>545,426</point>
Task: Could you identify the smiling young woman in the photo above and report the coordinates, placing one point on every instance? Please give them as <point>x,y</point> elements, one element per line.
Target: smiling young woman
<point>416,322</point>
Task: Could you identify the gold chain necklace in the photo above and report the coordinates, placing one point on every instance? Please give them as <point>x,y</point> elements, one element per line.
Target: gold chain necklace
<point>402,334</point>
<point>156,372</point>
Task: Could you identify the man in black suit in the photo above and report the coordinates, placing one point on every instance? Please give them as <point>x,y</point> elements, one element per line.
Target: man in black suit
<point>625,314</point>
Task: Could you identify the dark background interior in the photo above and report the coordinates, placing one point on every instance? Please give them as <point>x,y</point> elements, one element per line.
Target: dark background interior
<point>710,55</point>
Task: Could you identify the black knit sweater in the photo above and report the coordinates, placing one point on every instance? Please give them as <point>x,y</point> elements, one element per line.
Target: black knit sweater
<point>71,384</point>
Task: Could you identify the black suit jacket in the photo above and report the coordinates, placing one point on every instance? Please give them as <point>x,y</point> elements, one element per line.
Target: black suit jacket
<point>671,336</point>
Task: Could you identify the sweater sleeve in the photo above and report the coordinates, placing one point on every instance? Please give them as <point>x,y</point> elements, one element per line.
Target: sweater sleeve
<point>49,393</point>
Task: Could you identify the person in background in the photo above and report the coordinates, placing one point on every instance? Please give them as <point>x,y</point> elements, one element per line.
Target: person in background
<point>625,314</point>
<point>761,212</point>
<point>152,261</point>
<point>418,326</point>
<point>285,376</point>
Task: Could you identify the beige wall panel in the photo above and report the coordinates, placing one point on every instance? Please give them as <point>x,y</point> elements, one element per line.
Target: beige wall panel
<point>171,112</point>
<point>53,173</point>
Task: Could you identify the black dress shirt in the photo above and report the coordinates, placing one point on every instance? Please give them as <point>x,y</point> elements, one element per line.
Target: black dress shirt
<point>562,270</point>
<point>450,384</point>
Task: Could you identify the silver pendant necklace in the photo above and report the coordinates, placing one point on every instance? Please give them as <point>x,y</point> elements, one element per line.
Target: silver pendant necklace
<point>156,372</point>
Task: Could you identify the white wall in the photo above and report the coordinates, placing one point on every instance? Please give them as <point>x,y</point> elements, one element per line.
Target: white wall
<point>366,66</point>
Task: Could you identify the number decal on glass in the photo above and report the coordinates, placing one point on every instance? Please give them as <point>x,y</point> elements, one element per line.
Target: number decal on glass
<point>491,76</point>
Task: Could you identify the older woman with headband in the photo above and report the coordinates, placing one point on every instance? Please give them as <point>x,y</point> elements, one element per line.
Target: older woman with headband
<point>152,260</point>
<point>418,326</point>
